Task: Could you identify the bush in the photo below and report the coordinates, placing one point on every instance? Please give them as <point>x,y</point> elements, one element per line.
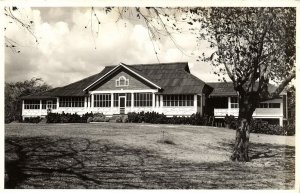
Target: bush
<point>90,119</point>
<point>67,118</point>
<point>260,126</point>
<point>157,118</point>
<point>197,119</point>
<point>119,120</point>
<point>148,117</point>
<point>132,117</point>
<point>99,117</point>
<point>32,119</point>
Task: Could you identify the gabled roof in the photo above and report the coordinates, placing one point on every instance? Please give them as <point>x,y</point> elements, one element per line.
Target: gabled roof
<point>226,88</point>
<point>134,71</point>
<point>170,78</point>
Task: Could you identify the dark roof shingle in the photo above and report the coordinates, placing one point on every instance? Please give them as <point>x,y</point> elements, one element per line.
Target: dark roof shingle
<point>173,78</point>
<point>226,88</point>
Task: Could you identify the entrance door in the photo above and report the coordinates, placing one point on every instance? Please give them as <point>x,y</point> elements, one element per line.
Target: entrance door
<point>49,105</point>
<point>122,105</point>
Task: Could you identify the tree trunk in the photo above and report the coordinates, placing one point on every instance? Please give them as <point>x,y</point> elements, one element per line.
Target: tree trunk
<point>241,146</point>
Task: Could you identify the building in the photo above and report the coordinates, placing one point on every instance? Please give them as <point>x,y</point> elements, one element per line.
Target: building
<point>167,88</point>
<point>224,101</point>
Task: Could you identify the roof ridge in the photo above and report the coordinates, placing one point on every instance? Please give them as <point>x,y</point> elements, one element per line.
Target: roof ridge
<point>150,64</point>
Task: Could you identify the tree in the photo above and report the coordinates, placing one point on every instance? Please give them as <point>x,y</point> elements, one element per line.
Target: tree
<point>14,92</point>
<point>253,47</point>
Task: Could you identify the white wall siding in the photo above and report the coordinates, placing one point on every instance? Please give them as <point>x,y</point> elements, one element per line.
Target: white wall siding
<point>34,112</point>
<point>179,111</point>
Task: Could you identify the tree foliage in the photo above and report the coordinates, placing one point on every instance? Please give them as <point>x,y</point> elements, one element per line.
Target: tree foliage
<point>13,93</point>
<point>252,45</point>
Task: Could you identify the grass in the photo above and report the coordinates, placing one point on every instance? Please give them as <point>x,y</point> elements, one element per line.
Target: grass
<point>112,155</point>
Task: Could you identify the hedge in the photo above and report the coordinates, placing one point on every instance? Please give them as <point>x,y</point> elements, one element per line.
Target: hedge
<point>157,118</point>
<point>32,119</point>
<point>260,126</point>
<point>67,117</point>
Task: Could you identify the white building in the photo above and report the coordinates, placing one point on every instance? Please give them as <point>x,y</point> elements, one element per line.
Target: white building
<point>167,88</point>
<point>224,100</point>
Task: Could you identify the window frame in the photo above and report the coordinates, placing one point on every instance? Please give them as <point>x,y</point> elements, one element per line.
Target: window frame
<point>71,102</point>
<point>122,78</point>
<point>178,100</point>
<point>102,100</point>
<point>234,102</point>
<point>143,99</point>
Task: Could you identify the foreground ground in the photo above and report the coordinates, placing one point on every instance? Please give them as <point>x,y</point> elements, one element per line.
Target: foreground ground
<point>111,155</point>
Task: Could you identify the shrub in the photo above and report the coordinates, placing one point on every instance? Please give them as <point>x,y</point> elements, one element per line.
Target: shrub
<point>32,119</point>
<point>119,120</point>
<point>148,117</point>
<point>157,118</point>
<point>259,126</point>
<point>84,117</point>
<point>90,119</point>
<point>197,119</point>
<point>133,117</point>
<point>98,119</point>
<point>67,118</point>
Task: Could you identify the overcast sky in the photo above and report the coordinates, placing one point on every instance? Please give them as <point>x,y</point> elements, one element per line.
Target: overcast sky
<point>67,51</point>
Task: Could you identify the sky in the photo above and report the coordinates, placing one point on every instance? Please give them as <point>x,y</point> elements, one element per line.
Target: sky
<point>67,51</point>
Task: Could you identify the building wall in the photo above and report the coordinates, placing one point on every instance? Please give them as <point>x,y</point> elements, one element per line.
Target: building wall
<point>263,113</point>
<point>134,84</point>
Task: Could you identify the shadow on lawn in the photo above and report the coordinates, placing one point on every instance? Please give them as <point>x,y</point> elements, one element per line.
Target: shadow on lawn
<point>52,162</point>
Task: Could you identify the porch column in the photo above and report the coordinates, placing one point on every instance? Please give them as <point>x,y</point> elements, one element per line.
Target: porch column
<point>88,102</point>
<point>111,100</point>
<point>229,106</point>
<point>195,103</point>
<point>85,102</point>
<point>280,121</point>
<point>132,101</point>
<point>57,103</point>
<point>40,107</point>
<point>92,105</point>
<point>153,101</point>
<point>23,107</point>
<point>157,101</point>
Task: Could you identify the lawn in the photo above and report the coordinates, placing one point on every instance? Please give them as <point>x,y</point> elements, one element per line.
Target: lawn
<point>113,155</point>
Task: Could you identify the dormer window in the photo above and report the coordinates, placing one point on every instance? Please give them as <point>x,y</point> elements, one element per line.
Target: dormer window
<point>122,81</point>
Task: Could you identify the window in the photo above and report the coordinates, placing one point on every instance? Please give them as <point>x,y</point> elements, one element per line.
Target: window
<point>274,105</point>
<point>128,99</point>
<point>234,102</point>
<point>102,100</point>
<point>116,99</point>
<point>44,104</point>
<point>71,101</point>
<point>31,104</point>
<point>178,100</point>
<point>142,99</point>
<point>122,81</point>
<point>263,105</point>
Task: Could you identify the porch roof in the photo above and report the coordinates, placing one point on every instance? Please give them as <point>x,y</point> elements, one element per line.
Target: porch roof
<point>226,89</point>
